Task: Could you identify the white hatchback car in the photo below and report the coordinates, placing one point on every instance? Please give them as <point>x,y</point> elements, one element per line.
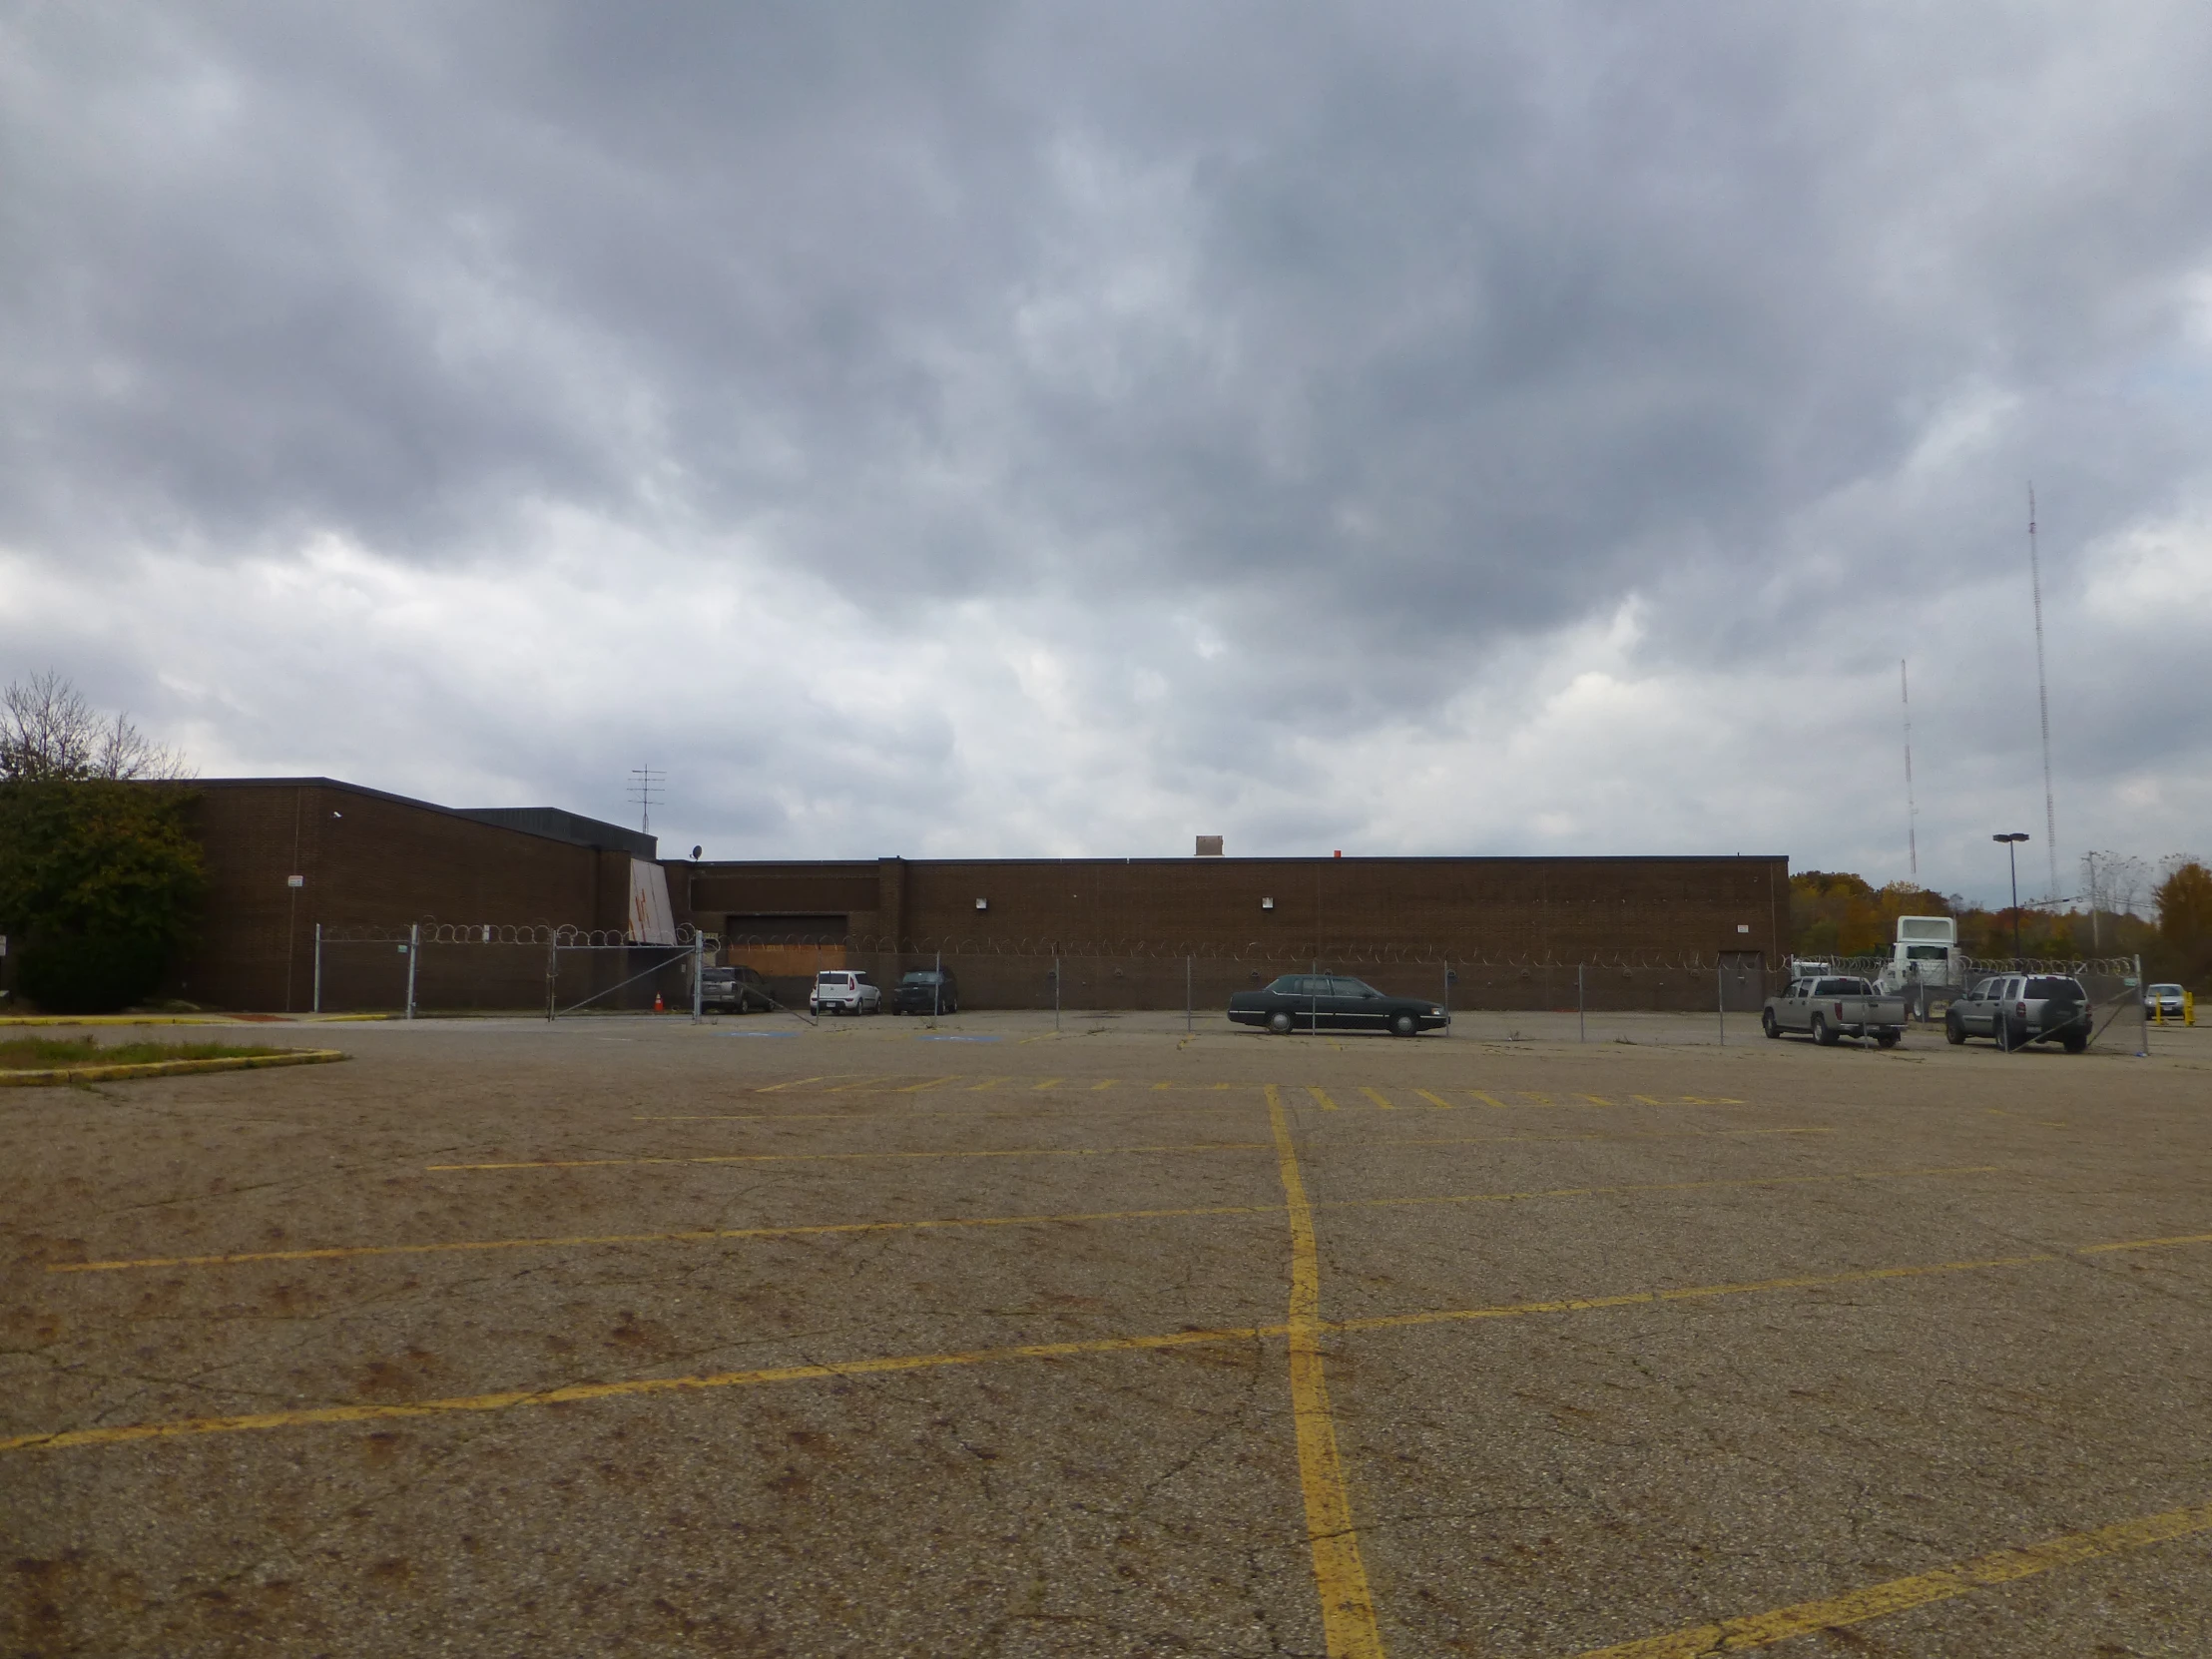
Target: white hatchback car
<point>839,992</point>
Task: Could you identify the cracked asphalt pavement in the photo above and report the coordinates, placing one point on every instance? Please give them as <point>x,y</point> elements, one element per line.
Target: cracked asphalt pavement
<point>626,1336</point>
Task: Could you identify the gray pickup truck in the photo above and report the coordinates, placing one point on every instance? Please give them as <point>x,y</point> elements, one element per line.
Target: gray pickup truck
<point>1827,1010</point>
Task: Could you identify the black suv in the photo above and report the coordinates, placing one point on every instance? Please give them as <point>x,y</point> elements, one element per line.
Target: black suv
<point>926,991</point>
<point>1331,1002</point>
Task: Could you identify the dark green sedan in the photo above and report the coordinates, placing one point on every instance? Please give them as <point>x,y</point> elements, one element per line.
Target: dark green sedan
<point>1331,1002</point>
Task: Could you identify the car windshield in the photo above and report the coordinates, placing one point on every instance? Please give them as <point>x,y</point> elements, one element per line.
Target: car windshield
<point>921,976</point>
<point>2165,990</point>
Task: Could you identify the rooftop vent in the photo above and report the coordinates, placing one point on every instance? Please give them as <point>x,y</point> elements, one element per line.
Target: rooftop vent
<point>1208,847</point>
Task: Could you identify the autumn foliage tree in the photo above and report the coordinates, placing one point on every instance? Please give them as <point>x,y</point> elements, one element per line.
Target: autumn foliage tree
<point>2184,900</point>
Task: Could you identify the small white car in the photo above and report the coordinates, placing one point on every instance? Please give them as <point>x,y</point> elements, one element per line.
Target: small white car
<point>839,992</point>
<point>2163,1001</point>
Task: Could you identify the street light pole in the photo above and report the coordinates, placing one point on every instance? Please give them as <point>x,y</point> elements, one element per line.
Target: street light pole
<point>2013,859</point>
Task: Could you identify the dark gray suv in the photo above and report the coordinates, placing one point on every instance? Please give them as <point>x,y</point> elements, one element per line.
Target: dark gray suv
<point>2017,1009</point>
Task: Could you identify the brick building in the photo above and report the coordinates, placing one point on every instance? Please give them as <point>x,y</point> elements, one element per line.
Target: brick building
<point>1121,933</point>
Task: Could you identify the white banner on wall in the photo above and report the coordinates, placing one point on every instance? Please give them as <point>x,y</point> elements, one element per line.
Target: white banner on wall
<point>652,922</point>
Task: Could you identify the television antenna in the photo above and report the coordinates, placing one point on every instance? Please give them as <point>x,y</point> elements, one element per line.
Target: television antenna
<point>2043,694</point>
<point>644,790</point>
<point>1911,811</point>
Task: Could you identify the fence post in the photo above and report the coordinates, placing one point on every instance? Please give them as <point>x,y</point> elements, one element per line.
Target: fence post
<point>1720,1001</point>
<point>1187,1015</point>
<point>414,952</point>
<point>937,991</point>
<point>319,967</point>
<point>697,993</point>
<point>1582,1013</point>
<point>1055,991</point>
<point>552,971</point>
<point>2142,1042</point>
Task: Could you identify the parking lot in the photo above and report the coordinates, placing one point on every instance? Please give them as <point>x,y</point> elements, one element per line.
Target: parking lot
<point>629,1335</point>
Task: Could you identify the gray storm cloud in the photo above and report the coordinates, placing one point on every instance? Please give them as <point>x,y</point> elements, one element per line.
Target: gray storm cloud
<point>1062,429</point>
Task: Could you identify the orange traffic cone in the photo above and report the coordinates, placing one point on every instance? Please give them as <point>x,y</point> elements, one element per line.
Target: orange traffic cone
<point>657,1008</point>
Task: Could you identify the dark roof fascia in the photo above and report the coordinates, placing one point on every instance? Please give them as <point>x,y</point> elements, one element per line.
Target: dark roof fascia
<point>343,788</point>
<point>855,866</point>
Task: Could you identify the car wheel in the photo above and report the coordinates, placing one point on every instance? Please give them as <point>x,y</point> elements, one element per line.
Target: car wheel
<point>1822,1035</point>
<point>1767,1024</point>
<point>1955,1033</point>
<point>2076,1042</point>
<point>1280,1024</point>
<point>1888,1039</point>
<point>1404,1025</point>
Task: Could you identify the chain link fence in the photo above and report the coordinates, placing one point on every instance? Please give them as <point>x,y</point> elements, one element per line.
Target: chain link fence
<point>448,968</point>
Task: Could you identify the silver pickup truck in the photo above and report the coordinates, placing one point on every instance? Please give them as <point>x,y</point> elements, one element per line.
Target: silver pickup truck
<point>1827,1010</point>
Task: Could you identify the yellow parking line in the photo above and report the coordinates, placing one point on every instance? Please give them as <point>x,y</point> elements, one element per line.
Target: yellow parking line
<point>1488,1100</point>
<point>1320,1098</point>
<point>1436,1100</point>
<point>1347,1605</point>
<point>1534,1098</point>
<point>771,1088</point>
<point>989,1083</point>
<point>691,1235</point>
<point>1900,1594</point>
<point>920,1088</point>
<point>703,1234</point>
<point>264,1420</point>
<point>1594,1100</point>
<point>846,1157</point>
<point>1106,1084</point>
<point>1382,1101</point>
<point>1048,1083</point>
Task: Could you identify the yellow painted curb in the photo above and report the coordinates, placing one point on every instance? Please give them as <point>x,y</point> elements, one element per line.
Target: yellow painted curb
<point>124,1019</point>
<point>167,1068</point>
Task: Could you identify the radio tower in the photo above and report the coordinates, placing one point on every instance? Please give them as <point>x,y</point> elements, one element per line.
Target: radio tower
<point>1912,813</point>
<point>2042,696</point>
<point>644,790</point>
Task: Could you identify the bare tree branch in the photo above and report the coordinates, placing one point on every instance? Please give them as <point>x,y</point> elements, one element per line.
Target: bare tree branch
<point>48,731</point>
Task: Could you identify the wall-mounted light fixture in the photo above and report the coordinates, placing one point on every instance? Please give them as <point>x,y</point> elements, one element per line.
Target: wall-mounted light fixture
<point>295,880</point>
<point>1266,903</point>
<point>982,904</point>
<point>1743,928</point>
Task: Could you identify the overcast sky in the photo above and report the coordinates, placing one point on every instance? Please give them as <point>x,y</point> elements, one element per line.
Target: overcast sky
<point>978,429</point>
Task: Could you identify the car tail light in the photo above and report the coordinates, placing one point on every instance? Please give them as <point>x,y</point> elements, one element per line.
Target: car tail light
<point>1839,1010</point>
<point>2019,1009</point>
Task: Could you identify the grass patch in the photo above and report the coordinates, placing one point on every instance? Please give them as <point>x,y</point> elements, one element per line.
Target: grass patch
<point>55,1053</point>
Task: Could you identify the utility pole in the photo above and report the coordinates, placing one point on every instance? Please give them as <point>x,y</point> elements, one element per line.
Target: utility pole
<point>2012,857</point>
<point>1912,813</point>
<point>2043,697</point>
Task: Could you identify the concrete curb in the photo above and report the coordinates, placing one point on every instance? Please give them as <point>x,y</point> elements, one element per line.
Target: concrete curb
<point>165,1068</point>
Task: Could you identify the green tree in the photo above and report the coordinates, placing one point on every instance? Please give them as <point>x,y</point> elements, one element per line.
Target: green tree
<point>98,874</point>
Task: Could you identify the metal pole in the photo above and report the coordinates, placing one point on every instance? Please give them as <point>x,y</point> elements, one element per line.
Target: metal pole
<point>414,950</point>
<point>937,991</point>
<point>1720,1000</point>
<point>552,973</point>
<point>1581,1018</point>
<point>319,967</point>
<point>2012,857</point>
<point>2142,1044</point>
<point>1055,992</point>
<point>696,993</point>
<point>1187,1015</point>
